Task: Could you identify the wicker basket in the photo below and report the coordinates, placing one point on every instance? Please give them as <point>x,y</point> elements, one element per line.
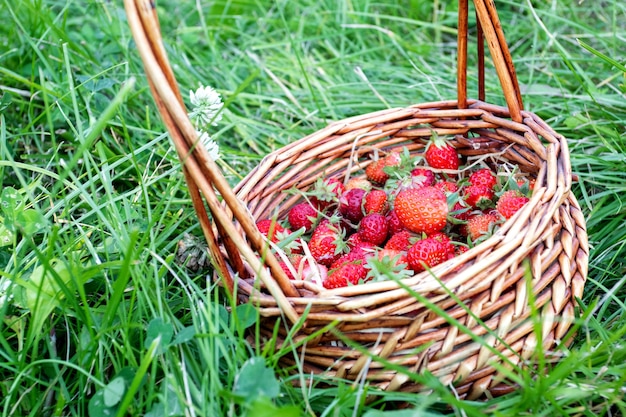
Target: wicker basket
<point>462,321</point>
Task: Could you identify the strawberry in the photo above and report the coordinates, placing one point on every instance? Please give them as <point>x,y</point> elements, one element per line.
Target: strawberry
<point>271,229</point>
<point>350,205</point>
<point>359,251</point>
<point>483,176</point>
<point>440,154</point>
<point>447,187</point>
<point>478,196</point>
<point>326,192</point>
<point>399,257</point>
<point>302,215</point>
<point>376,202</point>
<point>373,228</point>
<point>422,177</point>
<point>422,210</point>
<point>445,240</point>
<point>461,211</point>
<point>510,202</point>
<point>375,170</point>
<point>326,244</point>
<point>399,241</point>
<point>481,225</point>
<point>348,273</point>
<point>426,253</point>
<point>395,225</point>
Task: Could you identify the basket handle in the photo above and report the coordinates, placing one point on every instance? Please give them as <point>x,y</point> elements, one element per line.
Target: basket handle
<point>203,176</point>
<point>489,26</point>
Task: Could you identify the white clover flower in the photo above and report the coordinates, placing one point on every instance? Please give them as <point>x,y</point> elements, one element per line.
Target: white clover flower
<point>209,144</point>
<point>207,104</point>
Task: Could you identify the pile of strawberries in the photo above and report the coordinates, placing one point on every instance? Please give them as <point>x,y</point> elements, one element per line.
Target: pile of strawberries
<point>407,215</point>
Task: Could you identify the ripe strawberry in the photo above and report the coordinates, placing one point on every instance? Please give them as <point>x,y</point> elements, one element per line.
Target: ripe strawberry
<point>373,228</point>
<point>483,176</point>
<point>398,256</point>
<point>350,205</point>
<point>422,177</point>
<point>348,273</point>
<point>302,215</point>
<point>478,196</point>
<point>271,229</point>
<point>440,154</point>
<point>326,192</point>
<point>445,240</point>
<point>326,244</point>
<point>395,225</point>
<point>422,210</point>
<point>359,251</point>
<point>375,170</point>
<point>461,211</point>
<point>426,253</point>
<point>510,202</point>
<point>399,241</point>
<point>481,225</point>
<point>376,202</point>
<point>448,187</point>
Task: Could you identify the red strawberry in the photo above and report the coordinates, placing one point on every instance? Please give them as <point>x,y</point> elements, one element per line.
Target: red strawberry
<point>422,177</point>
<point>440,154</point>
<point>422,210</point>
<point>326,192</point>
<point>447,186</point>
<point>375,170</point>
<point>399,256</point>
<point>483,176</point>
<point>478,196</point>
<point>359,251</point>
<point>351,205</point>
<point>426,253</point>
<point>326,244</point>
<point>373,228</point>
<point>376,202</point>
<point>510,202</point>
<point>271,229</point>
<point>461,211</point>
<point>395,225</point>
<point>302,215</point>
<point>348,273</point>
<point>399,241</point>
<point>445,240</point>
<point>481,225</point>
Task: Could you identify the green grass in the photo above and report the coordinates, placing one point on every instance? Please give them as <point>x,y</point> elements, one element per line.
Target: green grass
<point>93,202</point>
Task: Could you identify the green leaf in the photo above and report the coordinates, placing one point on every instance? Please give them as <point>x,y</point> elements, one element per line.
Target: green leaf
<point>159,328</point>
<point>10,202</point>
<point>31,222</point>
<point>401,413</point>
<point>6,236</point>
<point>247,315</point>
<point>42,291</point>
<point>256,380</point>
<point>184,335</point>
<point>97,408</point>
<point>263,407</point>
<point>114,391</point>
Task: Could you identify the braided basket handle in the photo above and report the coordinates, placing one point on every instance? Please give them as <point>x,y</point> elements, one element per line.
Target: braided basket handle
<point>202,173</point>
<point>489,26</point>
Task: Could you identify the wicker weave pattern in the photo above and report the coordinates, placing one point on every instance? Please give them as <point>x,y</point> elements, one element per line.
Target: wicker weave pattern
<point>485,289</point>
